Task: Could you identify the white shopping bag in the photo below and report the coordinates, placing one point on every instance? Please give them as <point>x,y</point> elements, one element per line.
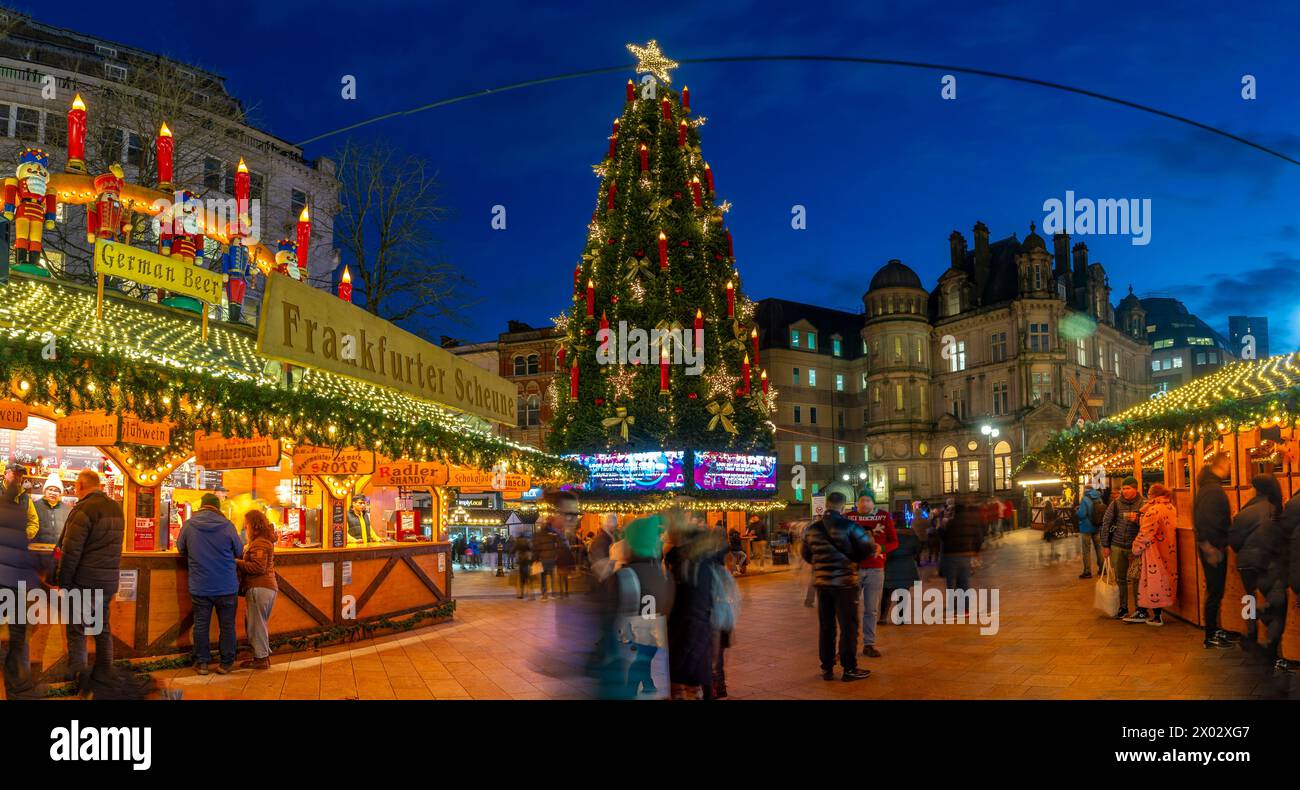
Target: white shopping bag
<point>1106,597</point>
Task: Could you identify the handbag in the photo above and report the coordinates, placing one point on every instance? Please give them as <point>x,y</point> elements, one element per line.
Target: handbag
<point>1106,594</point>
<point>535,569</point>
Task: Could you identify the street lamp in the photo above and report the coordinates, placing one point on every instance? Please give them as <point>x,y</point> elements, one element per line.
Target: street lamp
<point>992,434</point>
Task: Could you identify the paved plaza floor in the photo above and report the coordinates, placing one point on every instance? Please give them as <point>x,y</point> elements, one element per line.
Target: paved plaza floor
<point>1050,644</point>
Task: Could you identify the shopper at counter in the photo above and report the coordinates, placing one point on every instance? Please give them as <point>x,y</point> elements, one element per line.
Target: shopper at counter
<point>17,567</point>
<point>210,546</point>
<point>15,473</point>
<point>90,558</point>
<point>257,572</point>
<point>51,513</point>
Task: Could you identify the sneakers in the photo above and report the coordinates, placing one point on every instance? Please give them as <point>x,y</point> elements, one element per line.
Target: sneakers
<point>870,651</point>
<point>1228,636</point>
<point>1285,665</point>
<point>1216,641</point>
<point>202,669</point>
<point>828,675</point>
<point>1159,620</point>
<point>1085,575</point>
<point>1139,616</point>
<point>256,663</point>
<point>225,669</point>
<point>1121,614</point>
<point>855,674</point>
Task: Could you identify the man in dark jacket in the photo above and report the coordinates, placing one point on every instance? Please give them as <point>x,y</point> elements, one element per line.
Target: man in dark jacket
<point>1211,517</point>
<point>209,545</point>
<point>1119,528</point>
<point>17,575</point>
<point>1089,514</point>
<point>834,545</point>
<point>89,562</point>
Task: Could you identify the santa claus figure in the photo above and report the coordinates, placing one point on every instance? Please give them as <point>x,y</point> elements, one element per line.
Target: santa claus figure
<point>235,263</point>
<point>29,204</point>
<point>105,218</point>
<point>286,259</point>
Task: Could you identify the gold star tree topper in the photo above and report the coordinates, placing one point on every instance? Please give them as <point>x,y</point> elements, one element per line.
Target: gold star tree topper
<point>649,60</point>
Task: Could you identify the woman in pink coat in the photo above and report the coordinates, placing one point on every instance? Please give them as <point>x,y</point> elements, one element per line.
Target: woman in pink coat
<point>1156,550</point>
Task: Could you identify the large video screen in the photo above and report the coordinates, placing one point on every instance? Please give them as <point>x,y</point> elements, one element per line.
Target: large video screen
<point>734,472</point>
<point>656,471</point>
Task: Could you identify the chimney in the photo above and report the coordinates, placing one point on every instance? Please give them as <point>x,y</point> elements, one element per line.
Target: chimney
<point>1080,265</point>
<point>957,249</point>
<point>983,260</point>
<point>1061,249</point>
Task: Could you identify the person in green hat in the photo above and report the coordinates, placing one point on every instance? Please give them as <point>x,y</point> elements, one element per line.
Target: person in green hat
<point>643,598</point>
<point>1119,527</point>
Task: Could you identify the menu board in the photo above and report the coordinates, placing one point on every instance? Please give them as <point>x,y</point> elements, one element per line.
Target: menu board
<point>734,472</point>
<point>653,471</point>
<point>37,441</point>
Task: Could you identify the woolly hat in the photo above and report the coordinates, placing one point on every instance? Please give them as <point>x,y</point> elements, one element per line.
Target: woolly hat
<point>643,536</point>
<point>1129,481</point>
<point>53,481</point>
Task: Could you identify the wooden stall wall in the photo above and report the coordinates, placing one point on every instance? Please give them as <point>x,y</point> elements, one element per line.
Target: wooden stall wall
<point>385,581</point>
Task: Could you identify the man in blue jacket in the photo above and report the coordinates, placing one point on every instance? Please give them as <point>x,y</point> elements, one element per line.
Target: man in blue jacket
<point>210,545</point>
<point>1089,513</point>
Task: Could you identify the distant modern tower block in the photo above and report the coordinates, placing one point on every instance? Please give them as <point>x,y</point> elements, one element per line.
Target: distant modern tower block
<point>1243,330</point>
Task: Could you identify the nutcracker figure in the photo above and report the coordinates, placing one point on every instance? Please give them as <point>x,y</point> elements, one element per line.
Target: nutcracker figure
<point>105,218</point>
<point>29,204</point>
<point>181,234</point>
<point>235,263</point>
<point>286,259</point>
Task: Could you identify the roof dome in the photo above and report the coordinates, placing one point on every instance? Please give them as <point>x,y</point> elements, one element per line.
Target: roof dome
<point>1130,302</point>
<point>895,275</point>
<point>1033,241</point>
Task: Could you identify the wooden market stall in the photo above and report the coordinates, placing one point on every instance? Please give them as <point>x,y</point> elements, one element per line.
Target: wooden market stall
<point>1249,410</point>
<point>273,419</point>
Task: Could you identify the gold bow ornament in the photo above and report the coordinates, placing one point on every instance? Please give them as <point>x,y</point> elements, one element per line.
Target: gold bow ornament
<point>721,413</point>
<point>634,266</point>
<point>621,420</point>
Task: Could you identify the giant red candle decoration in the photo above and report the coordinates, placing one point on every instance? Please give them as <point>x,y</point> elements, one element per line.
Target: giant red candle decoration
<point>613,190</point>
<point>663,251</point>
<point>631,91</point>
<point>604,321</point>
<point>699,330</point>
<point>242,188</point>
<point>304,241</point>
<point>613,139</point>
<point>164,146</point>
<point>686,98</point>
<point>730,250</point>
<point>731,300</point>
<point>663,370</point>
<point>77,136</point>
<point>645,158</point>
<point>591,298</point>
<point>744,374</point>
<point>753,339</point>
<point>668,110</point>
<point>681,134</point>
<point>573,381</point>
<point>708,177</point>
<point>695,190</point>
<point>345,285</point>
<point>763,380</point>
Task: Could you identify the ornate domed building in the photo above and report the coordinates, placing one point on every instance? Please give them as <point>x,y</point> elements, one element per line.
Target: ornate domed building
<point>1017,336</point>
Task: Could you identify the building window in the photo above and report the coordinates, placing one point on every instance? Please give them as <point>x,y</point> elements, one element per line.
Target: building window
<point>534,411</point>
<point>1166,343</point>
<point>1178,361</point>
<point>812,415</point>
<point>835,347</point>
<point>998,347</point>
<point>1115,359</point>
<point>958,361</point>
<point>866,454</point>
<point>1038,338</point>
<point>812,453</point>
<point>1165,364</point>
<point>958,405</point>
<point>839,453</point>
<point>812,341</point>
<point>1214,357</point>
<point>1002,466</point>
<point>26,124</point>
<point>1001,401</point>
<point>812,377</point>
<point>1040,385</point>
<point>134,150</point>
<point>794,338</point>
<point>920,351</point>
<point>949,469</point>
<point>898,397</point>
<point>839,382</point>
<point>1155,364</point>
<point>115,72</point>
<point>972,475</point>
<point>898,349</point>
<point>533,363</point>
<point>798,495</point>
<point>798,453</point>
<point>901,475</point>
<point>521,411</point>
<point>1200,341</point>
<point>798,413</point>
<point>1082,353</point>
<point>794,379</point>
<point>297,202</point>
<point>863,383</point>
<point>1200,357</point>
<point>521,366</point>
<point>866,418</point>
<point>212,173</point>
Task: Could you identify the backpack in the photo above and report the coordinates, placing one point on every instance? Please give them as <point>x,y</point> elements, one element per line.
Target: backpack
<point>1093,515</point>
<point>726,599</point>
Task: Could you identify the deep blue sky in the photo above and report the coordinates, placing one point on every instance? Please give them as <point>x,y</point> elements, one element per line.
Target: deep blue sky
<point>885,168</point>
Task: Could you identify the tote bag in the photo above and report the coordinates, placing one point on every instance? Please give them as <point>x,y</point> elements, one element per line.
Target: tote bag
<point>1106,597</point>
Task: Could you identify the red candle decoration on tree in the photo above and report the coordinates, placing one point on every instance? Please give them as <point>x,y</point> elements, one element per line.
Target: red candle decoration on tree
<point>631,91</point>
<point>573,381</point>
<point>699,330</point>
<point>731,300</point>
<point>345,285</point>
<point>77,136</point>
<point>681,134</point>
<point>645,158</point>
<point>577,275</point>
<point>730,250</point>
<point>164,146</point>
<point>663,251</point>
<point>663,370</point>
<point>667,108</point>
<point>304,240</point>
<point>686,98</point>
<point>613,190</point>
<point>604,321</point>
<point>242,189</point>
<point>763,381</point>
<point>708,177</point>
<point>744,374</point>
<point>753,339</point>
<point>695,191</point>
<point>591,298</point>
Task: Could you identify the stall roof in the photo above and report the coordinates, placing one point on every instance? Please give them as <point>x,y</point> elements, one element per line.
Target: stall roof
<point>144,353</point>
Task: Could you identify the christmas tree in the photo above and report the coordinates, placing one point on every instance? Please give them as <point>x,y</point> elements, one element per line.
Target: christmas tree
<point>659,256</point>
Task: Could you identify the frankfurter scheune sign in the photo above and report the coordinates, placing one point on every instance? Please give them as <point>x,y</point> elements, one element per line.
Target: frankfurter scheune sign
<point>305,326</point>
<point>216,452</point>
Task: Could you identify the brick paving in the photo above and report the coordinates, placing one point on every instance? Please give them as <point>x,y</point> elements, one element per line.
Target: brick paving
<point>1050,644</point>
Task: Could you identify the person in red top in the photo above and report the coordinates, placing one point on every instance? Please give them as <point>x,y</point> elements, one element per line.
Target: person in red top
<point>871,571</point>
